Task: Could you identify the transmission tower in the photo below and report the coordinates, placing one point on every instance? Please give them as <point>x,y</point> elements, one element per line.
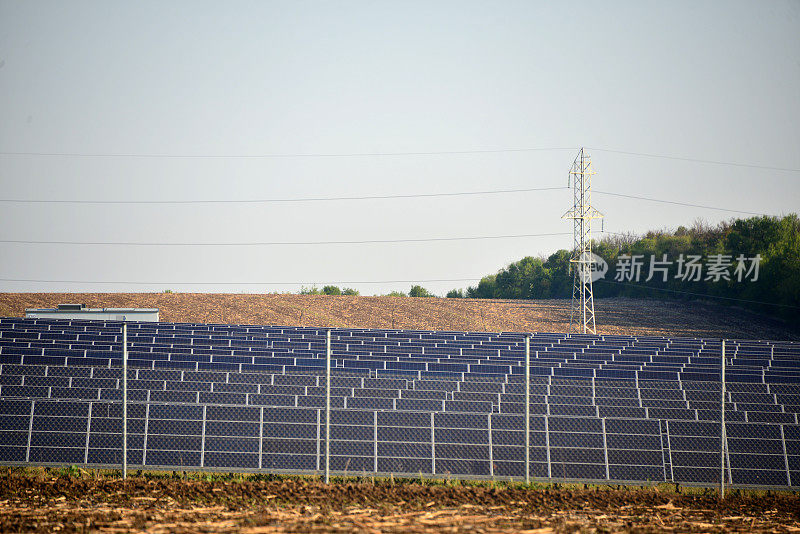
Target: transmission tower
<point>582,260</point>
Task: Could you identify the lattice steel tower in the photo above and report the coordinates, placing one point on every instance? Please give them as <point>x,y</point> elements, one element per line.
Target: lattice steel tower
<point>582,259</point>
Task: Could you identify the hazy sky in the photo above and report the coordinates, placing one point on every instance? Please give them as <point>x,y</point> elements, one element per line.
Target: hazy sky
<point>310,84</point>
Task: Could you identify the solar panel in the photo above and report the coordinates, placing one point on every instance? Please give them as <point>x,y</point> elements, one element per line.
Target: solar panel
<point>250,397</point>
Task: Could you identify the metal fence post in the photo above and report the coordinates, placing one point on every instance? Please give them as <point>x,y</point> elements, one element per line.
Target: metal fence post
<point>605,447</point>
<point>203,438</point>
<point>786,458</point>
<point>30,432</point>
<point>124,400</point>
<point>433,444</point>
<point>261,439</point>
<point>722,440</point>
<point>146,432</point>
<point>527,409</point>
<point>319,440</point>
<point>328,409</point>
<point>491,452</point>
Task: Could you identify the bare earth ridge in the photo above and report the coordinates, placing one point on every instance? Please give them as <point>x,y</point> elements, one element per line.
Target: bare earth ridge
<point>614,316</point>
<point>47,504</point>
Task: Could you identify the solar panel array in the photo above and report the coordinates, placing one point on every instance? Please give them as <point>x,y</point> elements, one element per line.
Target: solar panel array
<point>246,398</point>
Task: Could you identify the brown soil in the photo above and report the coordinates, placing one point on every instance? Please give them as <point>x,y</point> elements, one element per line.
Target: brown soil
<point>71,504</point>
<point>614,316</point>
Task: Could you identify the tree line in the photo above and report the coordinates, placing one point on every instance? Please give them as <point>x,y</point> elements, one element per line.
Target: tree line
<point>702,261</point>
<point>415,291</point>
<point>727,252</point>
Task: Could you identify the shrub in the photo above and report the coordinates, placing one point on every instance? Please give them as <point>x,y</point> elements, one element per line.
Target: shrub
<point>419,291</point>
<point>313,290</point>
<point>331,290</point>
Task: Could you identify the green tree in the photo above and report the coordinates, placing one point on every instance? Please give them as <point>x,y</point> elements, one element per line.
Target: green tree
<point>775,239</point>
<point>419,291</point>
<point>455,294</point>
<point>331,290</point>
<point>485,288</point>
<point>313,290</point>
<point>350,291</point>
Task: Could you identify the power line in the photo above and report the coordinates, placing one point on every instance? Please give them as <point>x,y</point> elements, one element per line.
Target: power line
<point>697,160</point>
<point>624,234</point>
<point>268,200</point>
<point>367,197</point>
<point>278,243</point>
<point>704,295</point>
<point>184,283</point>
<point>650,199</point>
<point>284,155</point>
<point>384,154</point>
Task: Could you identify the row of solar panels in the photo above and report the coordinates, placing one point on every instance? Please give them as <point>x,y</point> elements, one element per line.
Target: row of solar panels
<point>195,328</point>
<point>509,357</point>
<point>587,366</point>
<point>468,355</point>
<point>385,388</point>
<point>512,351</point>
<point>39,376</point>
<point>18,345</point>
<point>207,437</point>
<point>776,403</point>
<point>228,346</point>
<point>582,390</point>
<point>734,411</point>
<point>420,369</point>
<point>375,343</point>
<point>413,362</point>
<point>229,333</point>
<point>388,370</point>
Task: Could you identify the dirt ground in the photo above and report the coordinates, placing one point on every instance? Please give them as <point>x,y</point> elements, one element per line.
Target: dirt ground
<point>614,316</point>
<point>45,503</point>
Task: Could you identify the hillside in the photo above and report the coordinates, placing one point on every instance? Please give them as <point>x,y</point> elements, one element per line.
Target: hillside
<point>614,316</point>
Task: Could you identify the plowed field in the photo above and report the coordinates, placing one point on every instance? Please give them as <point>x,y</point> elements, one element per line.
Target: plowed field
<point>85,504</point>
<point>614,316</point>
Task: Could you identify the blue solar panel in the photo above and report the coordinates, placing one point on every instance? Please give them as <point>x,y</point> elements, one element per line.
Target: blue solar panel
<point>237,372</point>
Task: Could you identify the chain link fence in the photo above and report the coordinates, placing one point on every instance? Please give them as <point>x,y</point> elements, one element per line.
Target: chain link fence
<point>331,417</point>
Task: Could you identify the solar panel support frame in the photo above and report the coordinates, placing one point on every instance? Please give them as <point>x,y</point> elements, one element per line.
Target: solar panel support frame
<point>375,442</point>
<point>786,458</point>
<point>319,439</point>
<point>124,402</point>
<point>491,456</point>
<point>146,429</point>
<point>547,444</point>
<point>433,443</point>
<point>30,433</point>
<point>261,439</point>
<point>328,408</point>
<point>203,439</point>
<point>723,441</point>
<point>669,450</point>
<point>605,447</point>
<point>663,451</point>
<point>88,430</point>
<point>528,411</point>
